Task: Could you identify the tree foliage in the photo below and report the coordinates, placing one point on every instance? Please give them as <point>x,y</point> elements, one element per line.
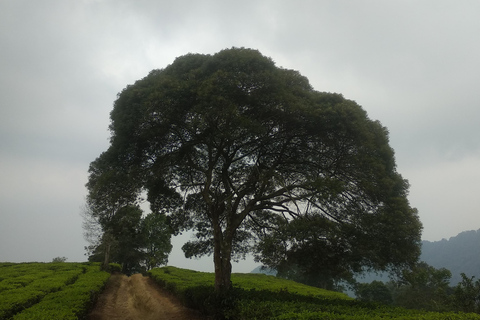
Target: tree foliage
<point>59,259</point>
<point>466,295</point>
<point>376,291</point>
<point>253,159</point>
<point>424,287</point>
<point>136,242</point>
<point>156,240</point>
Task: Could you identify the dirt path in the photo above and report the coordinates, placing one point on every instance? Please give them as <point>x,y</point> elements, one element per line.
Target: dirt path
<point>138,297</point>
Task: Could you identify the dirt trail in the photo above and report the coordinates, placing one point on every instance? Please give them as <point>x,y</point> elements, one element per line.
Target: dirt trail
<point>138,297</point>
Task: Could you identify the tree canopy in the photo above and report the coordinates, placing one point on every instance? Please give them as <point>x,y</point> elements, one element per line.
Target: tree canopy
<point>423,287</point>
<point>254,159</point>
<point>136,241</point>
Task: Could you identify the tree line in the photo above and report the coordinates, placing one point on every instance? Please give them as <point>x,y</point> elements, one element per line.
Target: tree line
<point>426,288</point>
<point>128,237</point>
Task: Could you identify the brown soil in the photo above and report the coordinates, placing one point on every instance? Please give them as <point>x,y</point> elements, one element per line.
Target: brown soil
<point>138,297</point>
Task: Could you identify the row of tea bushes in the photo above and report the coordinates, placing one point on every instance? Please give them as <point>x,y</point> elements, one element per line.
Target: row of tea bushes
<point>257,296</point>
<point>49,290</point>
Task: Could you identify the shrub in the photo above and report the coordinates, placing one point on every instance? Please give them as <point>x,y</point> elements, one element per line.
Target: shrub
<point>114,267</point>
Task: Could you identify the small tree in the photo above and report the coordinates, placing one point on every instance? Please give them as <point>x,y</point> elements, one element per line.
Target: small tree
<point>156,240</point>
<point>424,287</point>
<point>375,291</point>
<point>127,238</point>
<point>92,229</point>
<point>466,295</point>
<point>126,229</point>
<point>59,259</point>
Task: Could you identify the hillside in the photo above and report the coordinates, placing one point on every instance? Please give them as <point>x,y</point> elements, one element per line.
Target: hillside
<point>258,296</point>
<point>457,254</point>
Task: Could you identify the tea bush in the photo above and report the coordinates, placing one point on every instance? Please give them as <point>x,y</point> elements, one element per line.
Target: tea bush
<point>30,290</point>
<point>258,296</point>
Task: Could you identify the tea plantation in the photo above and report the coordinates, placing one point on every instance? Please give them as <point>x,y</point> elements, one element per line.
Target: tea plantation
<point>257,296</point>
<point>49,290</point>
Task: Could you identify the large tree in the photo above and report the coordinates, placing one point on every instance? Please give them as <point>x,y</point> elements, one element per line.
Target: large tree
<point>236,148</point>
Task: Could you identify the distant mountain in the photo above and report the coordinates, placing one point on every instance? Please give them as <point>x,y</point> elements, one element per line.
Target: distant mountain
<point>457,254</point>
<point>267,271</point>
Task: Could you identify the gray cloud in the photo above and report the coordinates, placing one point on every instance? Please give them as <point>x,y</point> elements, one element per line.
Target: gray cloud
<point>412,65</point>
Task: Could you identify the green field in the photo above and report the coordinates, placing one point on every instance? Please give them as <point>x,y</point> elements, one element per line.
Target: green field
<point>69,290</point>
<point>258,296</point>
<point>49,290</point>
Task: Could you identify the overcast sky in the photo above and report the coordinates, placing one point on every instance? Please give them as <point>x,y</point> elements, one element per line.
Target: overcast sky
<point>412,65</point>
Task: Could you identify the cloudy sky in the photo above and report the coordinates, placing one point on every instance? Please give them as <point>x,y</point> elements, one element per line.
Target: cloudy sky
<point>413,65</point>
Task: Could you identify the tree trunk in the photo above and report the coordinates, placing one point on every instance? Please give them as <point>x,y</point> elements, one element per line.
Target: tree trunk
<point>107,256</point>
<point>223,272</point>
<point>107,240</point>
<point>222,260</point>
